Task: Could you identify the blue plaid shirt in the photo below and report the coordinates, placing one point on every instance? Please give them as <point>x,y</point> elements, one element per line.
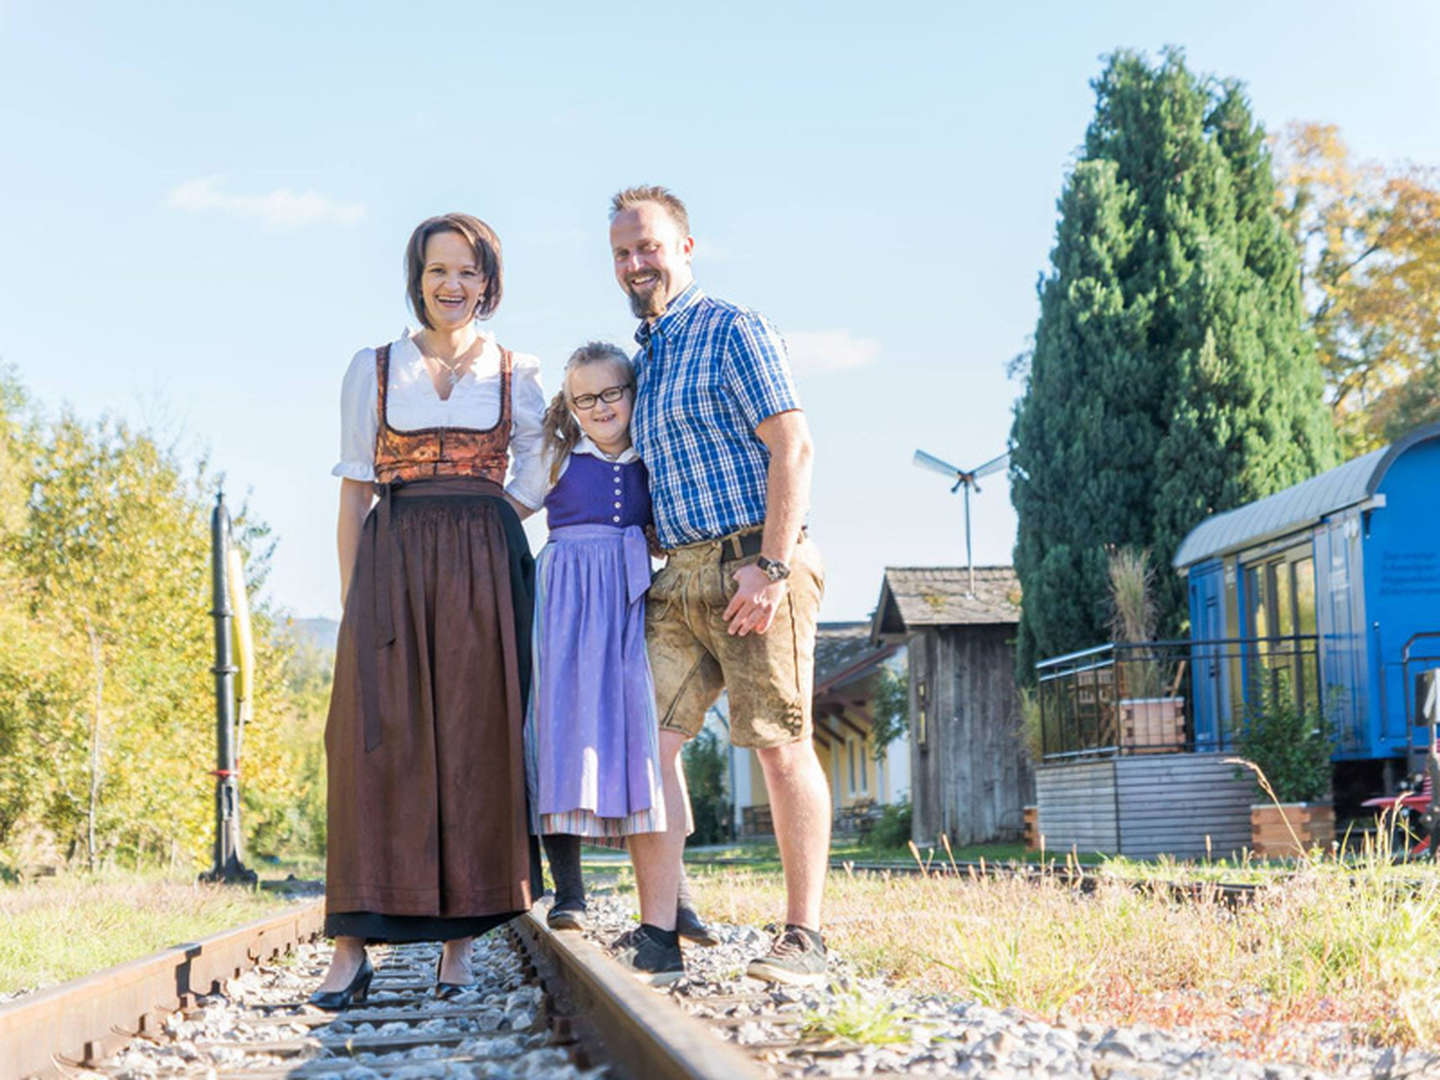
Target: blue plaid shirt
<point>707,374</point>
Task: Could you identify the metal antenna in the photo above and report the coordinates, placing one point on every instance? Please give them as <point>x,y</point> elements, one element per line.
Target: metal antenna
<point>968,481</point>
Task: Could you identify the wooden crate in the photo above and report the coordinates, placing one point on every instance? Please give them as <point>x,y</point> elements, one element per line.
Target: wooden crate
<point>1312,823</point>
<point>1152,725</point>
<point>1032,828</point>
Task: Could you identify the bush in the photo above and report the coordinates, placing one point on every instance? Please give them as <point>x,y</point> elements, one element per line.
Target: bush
<point>704,761</point>
<point>893,828</point>
<point>1290,745</point>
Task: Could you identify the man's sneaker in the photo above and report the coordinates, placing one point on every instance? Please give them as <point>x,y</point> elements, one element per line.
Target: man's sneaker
<point>649,957</point>
<point>796,957</point>
<point>689,926</point>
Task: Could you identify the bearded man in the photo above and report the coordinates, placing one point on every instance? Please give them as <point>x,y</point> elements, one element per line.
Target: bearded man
<point>719,426</point>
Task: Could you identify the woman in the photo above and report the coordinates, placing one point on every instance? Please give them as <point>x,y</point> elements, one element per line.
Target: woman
<point>428,834</point>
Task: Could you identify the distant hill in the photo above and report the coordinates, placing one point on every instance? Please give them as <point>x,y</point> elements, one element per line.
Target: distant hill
<point>321,633</point>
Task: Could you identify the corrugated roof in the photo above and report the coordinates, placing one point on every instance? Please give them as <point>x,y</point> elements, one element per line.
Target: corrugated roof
<point>1295,507</point>
<point>915,596</point>
<point>845,649</point>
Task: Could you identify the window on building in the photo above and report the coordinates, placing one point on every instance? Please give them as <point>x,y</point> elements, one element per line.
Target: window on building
<point>1280,610</point>
<point>921,732</point>
<point>851,744</point>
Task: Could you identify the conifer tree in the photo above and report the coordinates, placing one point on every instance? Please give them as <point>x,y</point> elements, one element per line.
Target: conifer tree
<point>1171,376</point>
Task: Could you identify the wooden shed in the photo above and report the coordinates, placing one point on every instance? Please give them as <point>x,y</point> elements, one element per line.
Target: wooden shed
<point>970,774</point>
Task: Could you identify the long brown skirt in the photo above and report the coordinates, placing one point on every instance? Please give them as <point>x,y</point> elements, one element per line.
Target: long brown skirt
<point>428,834</point>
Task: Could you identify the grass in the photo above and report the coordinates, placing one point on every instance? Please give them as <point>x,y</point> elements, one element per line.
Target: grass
<point>762,855</point>
<point>854,1018</point>
<point>1342,954</point>
<point>57,929</point>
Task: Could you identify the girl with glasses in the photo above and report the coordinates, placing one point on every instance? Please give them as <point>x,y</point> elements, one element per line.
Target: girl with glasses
<point>592,748</point>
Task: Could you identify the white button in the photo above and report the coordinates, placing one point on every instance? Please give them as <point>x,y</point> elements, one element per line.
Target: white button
<point>617,468</point>
<point>617,506</point>
<point>616,519</point>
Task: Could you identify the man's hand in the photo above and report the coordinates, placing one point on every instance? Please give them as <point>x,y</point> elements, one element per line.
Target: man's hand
<point>752,608</point>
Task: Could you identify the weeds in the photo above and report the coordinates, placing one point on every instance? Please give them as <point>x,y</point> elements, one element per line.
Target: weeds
<point>1334,950</point>
<point>852,1017</point>
<point>61,928</point>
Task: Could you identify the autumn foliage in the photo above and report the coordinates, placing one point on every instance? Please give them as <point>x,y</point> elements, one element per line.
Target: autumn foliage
<point>1370,242</point>
<point>106,706</point>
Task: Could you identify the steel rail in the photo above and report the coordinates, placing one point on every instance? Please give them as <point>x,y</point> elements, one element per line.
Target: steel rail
<point>643,1035</point>
<point>81,1021</point>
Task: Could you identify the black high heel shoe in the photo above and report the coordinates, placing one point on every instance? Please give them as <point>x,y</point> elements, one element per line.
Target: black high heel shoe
<point>447,990</point>
<point>354,994</point>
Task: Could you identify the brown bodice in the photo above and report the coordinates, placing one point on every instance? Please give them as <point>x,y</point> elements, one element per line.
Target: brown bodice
<point>403,456</point>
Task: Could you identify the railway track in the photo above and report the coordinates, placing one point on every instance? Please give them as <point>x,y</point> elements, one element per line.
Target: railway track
<point>233,1006</point>
<point>548,1005</point>
<point>1229,894</point>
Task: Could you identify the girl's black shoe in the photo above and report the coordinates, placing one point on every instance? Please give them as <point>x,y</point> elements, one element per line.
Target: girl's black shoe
<point>445,990</point>
<point>691,927</point>
<point>354,994</point>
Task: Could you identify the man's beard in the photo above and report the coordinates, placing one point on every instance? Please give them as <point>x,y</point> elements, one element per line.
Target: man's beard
<point>649,305</point>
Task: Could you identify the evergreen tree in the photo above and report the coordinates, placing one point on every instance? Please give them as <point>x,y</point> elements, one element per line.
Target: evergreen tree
<point>1171,375</point>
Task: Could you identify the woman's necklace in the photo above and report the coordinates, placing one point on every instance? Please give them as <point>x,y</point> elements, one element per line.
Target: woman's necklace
<point>454,369</point>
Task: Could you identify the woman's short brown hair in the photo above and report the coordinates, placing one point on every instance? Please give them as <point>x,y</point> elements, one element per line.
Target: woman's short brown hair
<point>482,240</point>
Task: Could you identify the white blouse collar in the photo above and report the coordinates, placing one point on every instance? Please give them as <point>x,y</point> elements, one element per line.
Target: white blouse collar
<point>586,446</point>
<point>407,340</point>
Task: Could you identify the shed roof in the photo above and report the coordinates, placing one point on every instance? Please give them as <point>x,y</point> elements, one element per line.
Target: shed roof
<point>912,597</point>
<point>1298,506</point>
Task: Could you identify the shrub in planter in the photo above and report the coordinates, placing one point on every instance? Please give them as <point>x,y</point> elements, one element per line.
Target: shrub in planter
<point>1290,747</point>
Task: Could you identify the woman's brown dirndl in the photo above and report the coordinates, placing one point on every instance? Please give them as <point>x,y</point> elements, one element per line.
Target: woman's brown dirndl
<point>428,836</point>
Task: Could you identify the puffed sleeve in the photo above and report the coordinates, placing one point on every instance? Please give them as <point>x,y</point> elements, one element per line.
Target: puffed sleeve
<point>527,459</point>
<point>358,419</point>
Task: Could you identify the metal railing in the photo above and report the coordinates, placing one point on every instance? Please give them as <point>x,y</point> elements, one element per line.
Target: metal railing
<point>1145,697</point>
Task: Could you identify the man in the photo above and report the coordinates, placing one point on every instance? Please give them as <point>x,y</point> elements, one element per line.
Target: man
<point>719,426</point>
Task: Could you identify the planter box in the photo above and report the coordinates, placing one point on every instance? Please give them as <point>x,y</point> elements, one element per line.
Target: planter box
<point>1312,823</point>
<point>1152,725</point>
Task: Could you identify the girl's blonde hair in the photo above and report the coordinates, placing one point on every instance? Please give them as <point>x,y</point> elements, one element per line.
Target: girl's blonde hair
<point>560,431</point>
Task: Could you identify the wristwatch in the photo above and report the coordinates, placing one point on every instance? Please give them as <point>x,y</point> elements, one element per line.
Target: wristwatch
<point>773,569</point>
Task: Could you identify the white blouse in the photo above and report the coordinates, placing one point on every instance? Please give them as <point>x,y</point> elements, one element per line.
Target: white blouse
<point>412,403</point>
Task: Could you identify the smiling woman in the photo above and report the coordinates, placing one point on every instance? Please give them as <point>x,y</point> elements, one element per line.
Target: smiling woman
<point>428,836</point>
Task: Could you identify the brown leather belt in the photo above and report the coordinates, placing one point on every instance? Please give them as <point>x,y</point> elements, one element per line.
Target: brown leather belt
<point>744,544</point>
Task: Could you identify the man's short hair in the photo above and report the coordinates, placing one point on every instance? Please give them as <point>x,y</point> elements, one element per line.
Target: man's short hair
<point>482,241</point>
<point>632,197</point>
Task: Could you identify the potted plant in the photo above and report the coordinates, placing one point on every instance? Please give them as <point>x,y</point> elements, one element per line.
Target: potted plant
<point>1151,713</point>
<point>1288,749</point>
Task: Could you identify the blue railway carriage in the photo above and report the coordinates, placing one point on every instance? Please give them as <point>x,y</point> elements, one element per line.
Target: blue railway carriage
<point>1338,580</point>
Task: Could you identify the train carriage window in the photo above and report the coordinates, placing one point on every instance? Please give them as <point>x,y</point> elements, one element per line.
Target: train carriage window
<point>1280,605</point>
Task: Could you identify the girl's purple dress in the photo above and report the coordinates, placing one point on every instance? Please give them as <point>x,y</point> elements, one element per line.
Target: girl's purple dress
<point>592,741</point>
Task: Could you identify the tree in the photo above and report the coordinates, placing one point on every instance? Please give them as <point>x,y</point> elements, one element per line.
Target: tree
<point>106,707</point>
<point>1370,239</point>
<point>1171,376</point>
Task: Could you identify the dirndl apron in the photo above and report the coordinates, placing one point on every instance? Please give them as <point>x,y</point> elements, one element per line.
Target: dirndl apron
<point>427,815</point>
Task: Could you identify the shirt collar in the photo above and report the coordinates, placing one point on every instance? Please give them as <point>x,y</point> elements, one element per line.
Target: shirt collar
<point>587,446</point>
<point>675,313</point>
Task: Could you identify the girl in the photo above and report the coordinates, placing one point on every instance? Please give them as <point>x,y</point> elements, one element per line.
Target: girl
<point>591,733</point>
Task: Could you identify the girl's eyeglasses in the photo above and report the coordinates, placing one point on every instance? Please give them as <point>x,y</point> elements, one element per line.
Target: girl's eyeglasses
<point>609,395</point>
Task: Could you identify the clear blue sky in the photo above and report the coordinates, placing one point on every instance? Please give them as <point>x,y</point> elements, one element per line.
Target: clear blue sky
<point>202,210</point>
